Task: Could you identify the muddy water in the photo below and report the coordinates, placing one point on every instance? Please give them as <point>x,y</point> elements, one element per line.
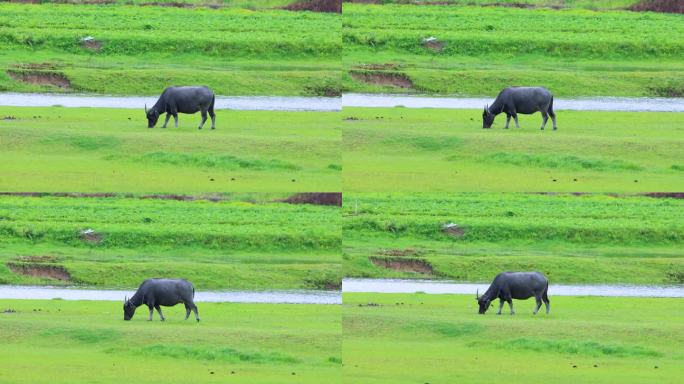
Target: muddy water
<point>272,297</point>
<point>636,104</point>
<point>442,287</point>
<point>265,103</point>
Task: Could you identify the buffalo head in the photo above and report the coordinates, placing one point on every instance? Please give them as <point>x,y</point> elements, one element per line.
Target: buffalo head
<point>129,309</point>
<point>487,118</point>
<point>152,117</point>
<point>483,302</point>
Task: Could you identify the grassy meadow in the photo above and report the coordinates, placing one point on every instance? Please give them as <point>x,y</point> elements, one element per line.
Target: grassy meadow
<point>555,4</point>
<point>402,149</point>
<point>588,239</point>
<point>419,338</point>
<point>235,50</point>
<point>57,341</point>
<point>50,149</point>
<point>109,242</point>
<point>477,51</point>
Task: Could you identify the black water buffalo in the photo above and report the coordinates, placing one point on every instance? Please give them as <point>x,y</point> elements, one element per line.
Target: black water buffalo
<point>525,100</point>
<point>166,292</point>
<point>515,285</point>
<point>183,100</point>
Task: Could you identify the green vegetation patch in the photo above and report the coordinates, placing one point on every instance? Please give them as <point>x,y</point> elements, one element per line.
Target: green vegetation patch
<point>53,149</point>
<point>238,343</point>
<point>590,348</point>
<point>469,50</point>
<point>233,242</point>
<point>214,353</point>
<point>565,162</point>
<point>572,238</point>
<point>125,49</point>
<point>214,161</point>
<point>426,149</point>
<point>582,339</point>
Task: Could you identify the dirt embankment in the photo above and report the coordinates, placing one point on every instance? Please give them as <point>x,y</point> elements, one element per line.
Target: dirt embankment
<point>322,198</point>
<point>329,6</point>
<point>403,264</point>
<point>394,79</point>
<point>667,6</point>
<point>39,77</point>
<point>39,266</point>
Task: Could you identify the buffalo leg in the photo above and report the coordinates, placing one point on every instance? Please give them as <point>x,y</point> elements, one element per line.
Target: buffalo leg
<point>510,304</point>
<point>508,120</point>
<point>175,119</point>
<point>553,118</point>
<point>166,121</point>
<point>515,117</point>
<point>501,303</point>
<point>151,311</point>
<point>194,309</point>
<point>158,308</point>
<point>204,118</point>
<point>545,298</point>
<point>187,311</point>
<point>213,118</point>
<point>539,302</point>
<point>545,118</point>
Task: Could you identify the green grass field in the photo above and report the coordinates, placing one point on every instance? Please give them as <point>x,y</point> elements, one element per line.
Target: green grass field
<point>112,150</point>
<point>232,244</point>
<point>142,50</point>
<point>572,239</point>
<point>481,50</point>
<point>400,149</point>
<point>418,338</point>
<point>556,4</point>
<point>240,4</point>
<point>56,341</point>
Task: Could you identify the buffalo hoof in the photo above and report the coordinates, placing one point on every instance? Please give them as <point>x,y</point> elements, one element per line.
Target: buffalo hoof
<point>212,128</point>
<point>198,320</point>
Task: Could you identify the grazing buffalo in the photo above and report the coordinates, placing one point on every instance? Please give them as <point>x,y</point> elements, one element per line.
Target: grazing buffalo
<point>515,285</point>
<point>183,100</point>
<point>166,292</point>
<point>525,100</point>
